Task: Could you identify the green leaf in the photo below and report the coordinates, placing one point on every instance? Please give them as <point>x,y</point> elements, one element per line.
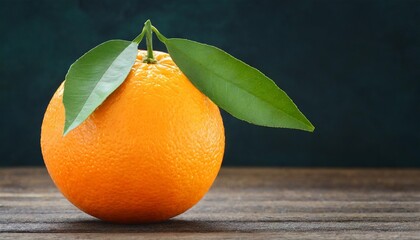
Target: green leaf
<point>93,77</point>
<point>236,87</point>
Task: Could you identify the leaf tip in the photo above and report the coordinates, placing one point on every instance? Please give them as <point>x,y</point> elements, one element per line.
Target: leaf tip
<point>69,126</point>
<point>311,128</point>
<point>66,130</point>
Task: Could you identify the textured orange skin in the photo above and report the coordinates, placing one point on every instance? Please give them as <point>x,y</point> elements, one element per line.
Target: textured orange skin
<point>150,152</point>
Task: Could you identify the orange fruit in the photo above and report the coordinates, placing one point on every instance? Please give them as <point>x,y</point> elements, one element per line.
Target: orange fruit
<point>148,153</point>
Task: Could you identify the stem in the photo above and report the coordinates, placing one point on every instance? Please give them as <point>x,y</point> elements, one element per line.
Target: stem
<point>149,42</point>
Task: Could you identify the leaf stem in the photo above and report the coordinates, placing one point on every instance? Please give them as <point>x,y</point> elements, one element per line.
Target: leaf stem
<point>159,35</point>
<point>140,36</point>
<point>149,42</point>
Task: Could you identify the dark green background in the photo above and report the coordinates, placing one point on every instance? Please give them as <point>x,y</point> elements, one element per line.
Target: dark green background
<point>353,68</point>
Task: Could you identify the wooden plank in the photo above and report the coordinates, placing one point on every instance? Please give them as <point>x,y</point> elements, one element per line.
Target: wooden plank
<point>246,203</point>
<point>222,235</point>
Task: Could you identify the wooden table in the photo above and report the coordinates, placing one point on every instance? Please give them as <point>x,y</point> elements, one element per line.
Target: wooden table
<point>252,203</point>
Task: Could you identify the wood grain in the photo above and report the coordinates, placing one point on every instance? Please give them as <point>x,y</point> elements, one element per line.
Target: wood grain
<point>244,203</point>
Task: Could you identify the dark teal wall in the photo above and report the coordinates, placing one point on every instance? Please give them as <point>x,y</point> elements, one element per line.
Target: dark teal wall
<point>351,66</point>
